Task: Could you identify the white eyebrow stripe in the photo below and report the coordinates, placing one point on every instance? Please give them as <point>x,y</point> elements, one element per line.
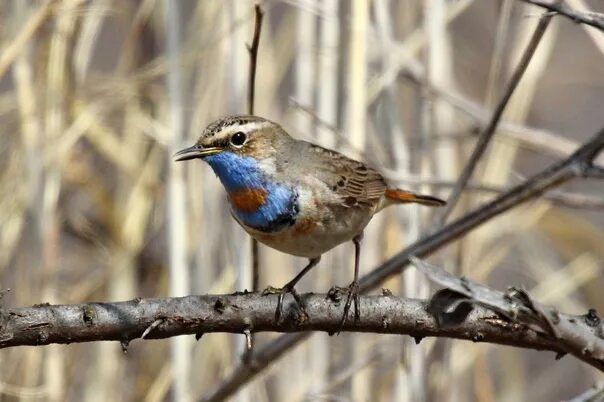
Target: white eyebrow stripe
<point>251,126</point>
<point>247,127</point>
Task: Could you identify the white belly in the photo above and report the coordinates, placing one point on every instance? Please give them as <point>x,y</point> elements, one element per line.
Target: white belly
<point>311,237</point>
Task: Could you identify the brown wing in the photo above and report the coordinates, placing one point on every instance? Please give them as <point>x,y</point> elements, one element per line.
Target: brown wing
<point>356,183</point>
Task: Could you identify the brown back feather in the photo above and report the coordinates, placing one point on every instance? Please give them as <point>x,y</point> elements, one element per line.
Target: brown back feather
<point>355,182</point>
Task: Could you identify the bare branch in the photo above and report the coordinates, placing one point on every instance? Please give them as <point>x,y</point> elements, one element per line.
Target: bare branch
<point>244,313</point>
<point>595,20</point>
<point>487,134</point>
<point>551,177</point>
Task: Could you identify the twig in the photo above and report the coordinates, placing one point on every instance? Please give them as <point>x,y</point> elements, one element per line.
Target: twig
<point>253,51</point>
<point>487,134</point>
<point>595,20</point>
<point>126,321</point>
<point>553,176</point>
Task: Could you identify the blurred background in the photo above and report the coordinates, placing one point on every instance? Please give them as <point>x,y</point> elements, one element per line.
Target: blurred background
<point>96,96</point>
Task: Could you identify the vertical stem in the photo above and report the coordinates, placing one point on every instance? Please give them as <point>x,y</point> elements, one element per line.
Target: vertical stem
<point>179,273</point>
<point>251,88</point>
<point>253,49</point>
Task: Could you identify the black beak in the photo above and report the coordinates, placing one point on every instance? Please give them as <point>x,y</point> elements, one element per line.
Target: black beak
<point>195,152</point>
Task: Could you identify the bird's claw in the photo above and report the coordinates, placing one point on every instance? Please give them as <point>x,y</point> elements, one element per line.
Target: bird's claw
<point>353,294</point>
<point>282,292</point>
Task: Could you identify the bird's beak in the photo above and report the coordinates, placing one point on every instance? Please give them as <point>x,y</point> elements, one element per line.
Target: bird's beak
<point>195,152</point>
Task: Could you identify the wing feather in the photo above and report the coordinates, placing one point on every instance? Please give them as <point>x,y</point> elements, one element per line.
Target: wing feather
<point>356,183</point>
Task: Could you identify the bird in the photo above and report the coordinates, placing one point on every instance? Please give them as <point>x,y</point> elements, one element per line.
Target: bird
<point>295,196</point>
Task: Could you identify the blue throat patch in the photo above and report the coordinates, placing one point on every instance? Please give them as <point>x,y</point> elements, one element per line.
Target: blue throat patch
<point>243,172</point>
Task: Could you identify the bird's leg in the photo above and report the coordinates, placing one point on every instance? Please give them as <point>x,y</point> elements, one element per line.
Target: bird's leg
<point>290,288</point>
<point>353,289</point>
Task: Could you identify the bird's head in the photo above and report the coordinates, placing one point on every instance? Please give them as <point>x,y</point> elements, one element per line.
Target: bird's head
<point>242,150</point>
<point>235,136</point>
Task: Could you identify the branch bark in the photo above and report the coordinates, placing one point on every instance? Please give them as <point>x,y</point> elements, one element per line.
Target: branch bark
<point>239,313</point>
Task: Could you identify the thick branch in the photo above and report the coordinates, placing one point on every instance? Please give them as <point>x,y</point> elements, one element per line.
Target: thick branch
<point>167,317</point>
<point>595,20</point>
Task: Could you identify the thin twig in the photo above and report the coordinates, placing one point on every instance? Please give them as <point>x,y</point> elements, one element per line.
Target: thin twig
<point>553,176</point>
<point>253,51</point>
<point>487,134</point>
<point>595,20</point>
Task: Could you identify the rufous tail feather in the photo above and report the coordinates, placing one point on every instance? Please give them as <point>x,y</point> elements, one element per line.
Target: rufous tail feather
<point>402,196</point>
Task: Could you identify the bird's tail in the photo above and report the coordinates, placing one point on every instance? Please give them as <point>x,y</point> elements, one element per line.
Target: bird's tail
<point>396,196</point>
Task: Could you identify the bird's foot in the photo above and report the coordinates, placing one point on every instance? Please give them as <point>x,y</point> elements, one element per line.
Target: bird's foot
<point>353,294</point>
<point>282,292</point>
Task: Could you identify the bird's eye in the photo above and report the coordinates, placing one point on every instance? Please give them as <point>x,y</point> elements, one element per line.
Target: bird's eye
<point>238,139</point>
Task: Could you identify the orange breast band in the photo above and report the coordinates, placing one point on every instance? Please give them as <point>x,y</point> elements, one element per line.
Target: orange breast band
<point>248,200</point>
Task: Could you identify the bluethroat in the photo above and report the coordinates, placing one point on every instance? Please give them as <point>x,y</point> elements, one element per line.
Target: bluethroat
<point>295,196</point>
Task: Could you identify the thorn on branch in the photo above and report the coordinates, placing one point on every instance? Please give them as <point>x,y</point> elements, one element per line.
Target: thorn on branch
<point>151,327</point>
<point>248,338</point>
